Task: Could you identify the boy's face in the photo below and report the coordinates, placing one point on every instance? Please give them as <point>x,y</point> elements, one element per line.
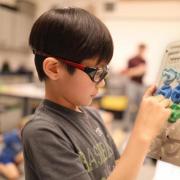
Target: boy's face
<point>77,89</point>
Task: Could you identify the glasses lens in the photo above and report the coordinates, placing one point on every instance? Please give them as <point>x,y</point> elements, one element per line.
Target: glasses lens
<point>100,74</point>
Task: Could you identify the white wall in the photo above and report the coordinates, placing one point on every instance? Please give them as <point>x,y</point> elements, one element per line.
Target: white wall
<point>154,23</point>
<point>43,6</point>
<point>156,34</point>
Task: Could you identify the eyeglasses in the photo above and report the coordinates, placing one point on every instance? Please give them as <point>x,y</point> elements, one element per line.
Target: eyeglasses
<point>95,74</point>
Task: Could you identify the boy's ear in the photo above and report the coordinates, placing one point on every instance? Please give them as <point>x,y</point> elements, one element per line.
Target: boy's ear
<point>51,67</point>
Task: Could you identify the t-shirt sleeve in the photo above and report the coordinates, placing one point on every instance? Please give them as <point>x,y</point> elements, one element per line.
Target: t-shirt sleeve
<point>49,155</point>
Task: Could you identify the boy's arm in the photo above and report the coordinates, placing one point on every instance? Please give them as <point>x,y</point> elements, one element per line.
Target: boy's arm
<point>151,117</point>
<point>131,160</point>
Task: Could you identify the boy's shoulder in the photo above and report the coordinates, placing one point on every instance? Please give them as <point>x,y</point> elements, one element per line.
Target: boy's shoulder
<point>36,123</point>
<point>38,129</point>
<point>48,121</point>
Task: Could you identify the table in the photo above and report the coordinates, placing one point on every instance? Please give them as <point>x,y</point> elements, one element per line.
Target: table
<point>166,171</point>
<point>26,92</point>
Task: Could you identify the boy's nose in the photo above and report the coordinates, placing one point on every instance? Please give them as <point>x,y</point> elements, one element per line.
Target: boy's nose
<point>100,84</point>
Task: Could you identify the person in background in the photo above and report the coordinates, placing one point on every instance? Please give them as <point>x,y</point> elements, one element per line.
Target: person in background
<point>5,67</point>
<point>11,155</point>
<point>136,67</point>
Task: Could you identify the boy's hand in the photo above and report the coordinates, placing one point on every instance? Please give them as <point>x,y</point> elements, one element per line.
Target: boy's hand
<point>153,113</point>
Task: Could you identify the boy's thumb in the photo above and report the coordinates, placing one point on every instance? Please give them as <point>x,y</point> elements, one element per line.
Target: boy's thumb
<point>150,91</point>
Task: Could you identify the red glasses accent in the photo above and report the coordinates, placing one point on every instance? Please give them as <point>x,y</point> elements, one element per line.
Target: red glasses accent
<point>96,74</point>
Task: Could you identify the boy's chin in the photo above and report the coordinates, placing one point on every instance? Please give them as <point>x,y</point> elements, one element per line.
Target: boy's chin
<point>87,103</point>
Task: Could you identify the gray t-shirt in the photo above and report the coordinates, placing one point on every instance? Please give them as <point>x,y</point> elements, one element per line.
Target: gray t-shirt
<point>62,144</point>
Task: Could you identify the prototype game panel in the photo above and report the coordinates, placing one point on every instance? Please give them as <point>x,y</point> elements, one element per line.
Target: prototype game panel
<point>166,146</point>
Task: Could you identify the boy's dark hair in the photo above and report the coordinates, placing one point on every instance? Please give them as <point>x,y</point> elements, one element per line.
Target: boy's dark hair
<point>72,34</point>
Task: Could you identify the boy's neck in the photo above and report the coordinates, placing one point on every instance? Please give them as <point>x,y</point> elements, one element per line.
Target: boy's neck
<point>61,101</point>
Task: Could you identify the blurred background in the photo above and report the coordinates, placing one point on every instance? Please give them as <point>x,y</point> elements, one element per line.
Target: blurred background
<point>141,30</point>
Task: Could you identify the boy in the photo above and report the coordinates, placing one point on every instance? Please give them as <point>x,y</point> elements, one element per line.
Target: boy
<point>65,140</point>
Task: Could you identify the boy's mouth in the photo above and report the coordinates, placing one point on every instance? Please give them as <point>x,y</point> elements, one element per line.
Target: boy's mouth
<point>94,95</point>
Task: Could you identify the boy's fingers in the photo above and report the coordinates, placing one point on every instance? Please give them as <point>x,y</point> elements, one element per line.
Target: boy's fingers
<point>166,103</point>
<point>150,91</point>
<point>159,98</point>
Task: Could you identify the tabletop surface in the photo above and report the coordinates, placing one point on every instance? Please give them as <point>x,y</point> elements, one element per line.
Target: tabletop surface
<point>28,90</point>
